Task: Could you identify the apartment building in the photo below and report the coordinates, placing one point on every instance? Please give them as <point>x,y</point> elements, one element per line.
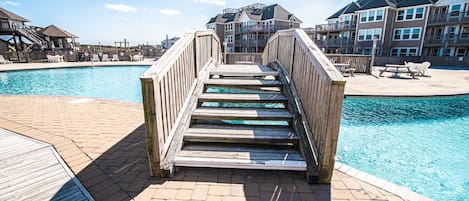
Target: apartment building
<point>169,42</point>
<point>247,29</point>
<point>401,27</point>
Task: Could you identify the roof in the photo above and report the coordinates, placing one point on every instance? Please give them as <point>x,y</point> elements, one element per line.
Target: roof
<point>53,31</point>
<point>273,11</point>
<point>5,14</point>
<point>408,3</point>
<point>370,4</point>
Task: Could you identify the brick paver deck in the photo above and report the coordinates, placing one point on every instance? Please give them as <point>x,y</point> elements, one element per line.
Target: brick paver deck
<point>103,143</point>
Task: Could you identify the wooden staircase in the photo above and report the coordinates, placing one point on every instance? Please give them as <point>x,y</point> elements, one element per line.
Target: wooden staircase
<point>242,121</point>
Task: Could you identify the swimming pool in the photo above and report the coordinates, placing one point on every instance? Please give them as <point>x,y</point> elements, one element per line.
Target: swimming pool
<point>420,143</point>
<point>116,83</point>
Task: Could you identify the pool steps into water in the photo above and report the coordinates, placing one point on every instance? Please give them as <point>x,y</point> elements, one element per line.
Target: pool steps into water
<point>222,133</point>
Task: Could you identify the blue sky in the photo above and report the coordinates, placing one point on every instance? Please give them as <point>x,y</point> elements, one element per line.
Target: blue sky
<point>142,21</point>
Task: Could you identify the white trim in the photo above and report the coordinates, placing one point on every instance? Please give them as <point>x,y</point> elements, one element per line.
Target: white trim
<point>413,15</point>
<point>367,16</point>
<point>384,28</point>
<point>384,7</point>
<point>410,34</point>
<point>407,49</point>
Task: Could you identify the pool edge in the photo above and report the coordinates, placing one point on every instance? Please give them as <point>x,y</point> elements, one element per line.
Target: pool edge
<point>401,191</point>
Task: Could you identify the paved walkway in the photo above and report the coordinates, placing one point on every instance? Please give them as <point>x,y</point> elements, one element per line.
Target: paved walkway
<point>103,143</point>
<point>441,82</point>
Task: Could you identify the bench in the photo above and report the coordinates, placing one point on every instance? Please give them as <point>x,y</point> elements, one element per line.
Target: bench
<point>397,71</point>
<point>351,71</point>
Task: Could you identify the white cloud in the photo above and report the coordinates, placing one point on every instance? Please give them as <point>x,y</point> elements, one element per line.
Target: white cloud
<point>170,12</point>
<point>120,7</point>
<point>216,2</point>
<point>11,3</point>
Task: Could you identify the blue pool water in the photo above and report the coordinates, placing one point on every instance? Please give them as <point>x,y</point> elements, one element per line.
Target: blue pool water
<point>116,83</point>
<point>420,143</point>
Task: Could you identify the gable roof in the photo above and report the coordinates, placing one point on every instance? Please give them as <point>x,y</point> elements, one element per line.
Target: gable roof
<point>370,4</point>
<point>54,31</point>
<point>273,11</point>
<point>5,14</point>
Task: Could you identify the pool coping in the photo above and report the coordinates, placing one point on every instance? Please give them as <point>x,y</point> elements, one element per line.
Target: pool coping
<point>45,66</point>
<point>407,96</point>
<point>401,191</point>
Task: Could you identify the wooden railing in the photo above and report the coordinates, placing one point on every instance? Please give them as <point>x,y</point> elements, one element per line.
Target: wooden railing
<point>167,88</point>
<point>362,63</point>
<point>233,58</point>
<point>319,88</point>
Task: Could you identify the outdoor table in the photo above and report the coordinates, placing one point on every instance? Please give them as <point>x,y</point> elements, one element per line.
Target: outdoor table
<point>396,70</point>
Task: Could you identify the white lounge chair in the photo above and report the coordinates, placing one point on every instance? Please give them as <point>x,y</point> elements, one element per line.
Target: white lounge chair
<point>105,57</point>
<point>4,61</point>
<point>50,58</point>
<point>115,57</point>
<point>421,69</point>
<point>59,58</point>
<point>94,57</point>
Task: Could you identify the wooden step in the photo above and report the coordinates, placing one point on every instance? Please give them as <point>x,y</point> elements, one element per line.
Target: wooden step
<point>241,98</point>
<point>238,134</point>
<point>244,71</point>
<point>242,83</point>
<point>242,114</point>
<point>240,157</point>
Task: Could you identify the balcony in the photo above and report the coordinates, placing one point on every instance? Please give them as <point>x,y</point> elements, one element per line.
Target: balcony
<point>448,19</point>
<point>343,26</point>
<point>250,43</point>
<point>447,40</point>
<point>335,43</point>
<point>260,28</point>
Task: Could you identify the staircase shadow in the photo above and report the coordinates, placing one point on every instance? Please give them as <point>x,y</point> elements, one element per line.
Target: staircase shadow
<point>122,173</point>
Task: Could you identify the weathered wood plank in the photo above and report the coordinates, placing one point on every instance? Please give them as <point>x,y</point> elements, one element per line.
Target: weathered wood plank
<point>247,134</point>
<point>242,114</point>
<point>246,98</point>
<point>242,83</point>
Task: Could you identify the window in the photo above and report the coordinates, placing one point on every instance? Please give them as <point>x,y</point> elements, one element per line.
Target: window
<point>400,15</point>
<point>379,15</point>
<point>467,10</point>
<point>465,32</point>
<point>397,34</point>
<point>364,16</point>
<point>461,52</point>
<point>455,10</point>
<point>419,13</point>
<point>410,14</point>
<point>228,27</point>
<point>368,34</point>
<point>404,51</point>
<point>371,16</point>
<point>447,52</point>
<point>407,34</point>
<point>347,19</point>
<point>416,33</point>
<point>361,35</point>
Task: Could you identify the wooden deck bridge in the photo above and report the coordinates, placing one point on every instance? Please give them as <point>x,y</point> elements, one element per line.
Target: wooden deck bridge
<point>281,115</point>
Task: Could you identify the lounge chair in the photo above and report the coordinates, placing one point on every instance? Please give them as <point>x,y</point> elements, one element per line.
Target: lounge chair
<point>105,57</point>
<point>50,59</point>
<point>59,58</point>
<point>421,69</point>
<point>4,61</point>
<point>94,57</point>
<point>115,57</point>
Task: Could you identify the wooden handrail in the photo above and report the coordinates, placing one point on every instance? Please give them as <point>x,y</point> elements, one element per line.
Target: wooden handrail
<point>318,88</point>
<point>167,88</point>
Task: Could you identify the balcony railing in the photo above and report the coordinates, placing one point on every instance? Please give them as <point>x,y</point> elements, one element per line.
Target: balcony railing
<point>260,28</point>
<point>343,26</point>
<point>454,40</point>
<point>250,43</point>
<point>335,42</point>
<point>449,18</point>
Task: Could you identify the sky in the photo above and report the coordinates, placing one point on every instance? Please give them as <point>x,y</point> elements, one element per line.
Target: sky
<point>148,21</point>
